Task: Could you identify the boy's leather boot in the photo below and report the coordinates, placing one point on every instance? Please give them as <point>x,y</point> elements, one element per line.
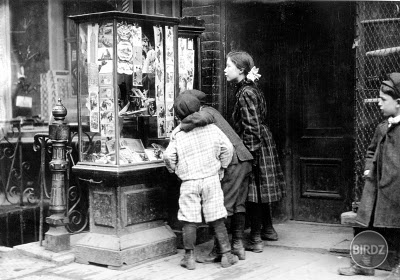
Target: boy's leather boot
<point>395,273</point>
<point>268,232</point>
<point>188,260</point>
<point>255,243</point>
<point>227,258</point>
<point>238,224</point>
<point>213,256</point>
<point>189,240</point>
<point>355,269</point>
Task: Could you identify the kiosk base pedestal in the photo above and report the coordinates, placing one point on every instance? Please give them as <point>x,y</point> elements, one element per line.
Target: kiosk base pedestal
<point>127,250</point>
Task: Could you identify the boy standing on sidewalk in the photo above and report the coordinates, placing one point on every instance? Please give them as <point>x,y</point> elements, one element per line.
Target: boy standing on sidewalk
<point>235,183</point>
<point>379,208</point>
<point>198,158</point>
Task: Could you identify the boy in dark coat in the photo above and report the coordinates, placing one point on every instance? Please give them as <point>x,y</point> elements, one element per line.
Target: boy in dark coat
<point>379,208</point>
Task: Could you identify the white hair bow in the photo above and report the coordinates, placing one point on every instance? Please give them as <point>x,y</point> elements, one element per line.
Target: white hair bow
<point>253,74</point>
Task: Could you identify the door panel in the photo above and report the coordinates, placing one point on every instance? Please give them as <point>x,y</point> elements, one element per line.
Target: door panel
<point>321,95</point>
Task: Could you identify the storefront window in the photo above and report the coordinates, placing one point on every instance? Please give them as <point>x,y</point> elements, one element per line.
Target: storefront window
<point>43,50</point>
<point>29,54</point>
<point>40,53</point>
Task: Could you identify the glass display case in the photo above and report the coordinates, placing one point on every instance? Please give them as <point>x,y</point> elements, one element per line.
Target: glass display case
<point>126,86</point>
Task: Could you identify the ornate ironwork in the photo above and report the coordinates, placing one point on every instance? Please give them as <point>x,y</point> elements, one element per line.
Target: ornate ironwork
<point>77,196</point>
<point>16,178</point>
<point>41,143</point>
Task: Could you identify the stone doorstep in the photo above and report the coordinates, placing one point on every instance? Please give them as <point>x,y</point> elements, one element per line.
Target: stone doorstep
<point>36,251</point>
<point>349,219</point>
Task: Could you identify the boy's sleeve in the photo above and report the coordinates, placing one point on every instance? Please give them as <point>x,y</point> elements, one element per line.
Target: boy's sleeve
<point>201,118</point>
<point>226,150</point>
<point>170,156</point>
<point>370,155</point>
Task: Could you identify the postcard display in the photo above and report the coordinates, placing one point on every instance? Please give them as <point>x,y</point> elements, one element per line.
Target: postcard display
<point>126,78</point>
<point>189,53</point>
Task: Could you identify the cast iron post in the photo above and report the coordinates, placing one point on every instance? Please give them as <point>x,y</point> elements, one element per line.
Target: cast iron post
<point>57,237</point>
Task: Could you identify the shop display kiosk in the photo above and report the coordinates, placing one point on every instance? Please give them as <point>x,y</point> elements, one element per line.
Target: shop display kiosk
<point>126,84</point>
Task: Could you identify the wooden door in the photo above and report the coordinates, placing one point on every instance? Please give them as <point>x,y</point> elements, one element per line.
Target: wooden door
<point>320,91</point>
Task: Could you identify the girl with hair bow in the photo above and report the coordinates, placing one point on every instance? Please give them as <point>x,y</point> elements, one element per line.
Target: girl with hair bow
<point>267,183</point>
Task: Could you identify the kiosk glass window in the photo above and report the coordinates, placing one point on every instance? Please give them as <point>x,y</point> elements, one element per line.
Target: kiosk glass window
<point>126,88</point>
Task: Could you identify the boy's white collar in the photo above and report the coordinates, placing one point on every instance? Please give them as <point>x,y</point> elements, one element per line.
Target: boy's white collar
<point>394,120</point>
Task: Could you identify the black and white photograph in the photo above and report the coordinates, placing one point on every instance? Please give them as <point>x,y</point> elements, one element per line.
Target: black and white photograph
<point>199,139</point>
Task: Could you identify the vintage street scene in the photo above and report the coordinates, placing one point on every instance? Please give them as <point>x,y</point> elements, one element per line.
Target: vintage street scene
<point>199,139</point>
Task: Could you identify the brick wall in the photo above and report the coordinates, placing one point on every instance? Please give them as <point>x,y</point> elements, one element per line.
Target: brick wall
<point>211,46</point>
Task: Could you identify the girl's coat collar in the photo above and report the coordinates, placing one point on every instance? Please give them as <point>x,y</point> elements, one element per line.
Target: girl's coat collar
<point>244,82</point>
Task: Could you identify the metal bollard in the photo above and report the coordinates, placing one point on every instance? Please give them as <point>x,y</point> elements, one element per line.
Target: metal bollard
<point>57,237</point>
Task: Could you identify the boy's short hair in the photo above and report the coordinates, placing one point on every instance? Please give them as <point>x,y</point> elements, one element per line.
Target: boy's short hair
<point>386,88</point>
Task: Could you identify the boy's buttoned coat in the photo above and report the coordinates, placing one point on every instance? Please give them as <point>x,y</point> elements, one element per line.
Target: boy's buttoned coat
<point>380,201</point>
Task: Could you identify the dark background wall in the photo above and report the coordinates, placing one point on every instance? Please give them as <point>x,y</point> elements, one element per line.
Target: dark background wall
<point>306,61</point>
<point>252,27</point>
<point>212,45</point>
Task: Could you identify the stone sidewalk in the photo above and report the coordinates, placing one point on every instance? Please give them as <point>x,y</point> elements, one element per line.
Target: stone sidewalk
<point>304,251</point>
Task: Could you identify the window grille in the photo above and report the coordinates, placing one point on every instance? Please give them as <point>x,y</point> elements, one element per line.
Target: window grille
<point>377,53</point>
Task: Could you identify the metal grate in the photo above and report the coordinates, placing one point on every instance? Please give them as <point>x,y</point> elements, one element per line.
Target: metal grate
<point>377,53</point>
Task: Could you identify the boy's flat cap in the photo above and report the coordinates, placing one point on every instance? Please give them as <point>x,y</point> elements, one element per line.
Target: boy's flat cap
<point>197,93</point>
<point>186,104</point>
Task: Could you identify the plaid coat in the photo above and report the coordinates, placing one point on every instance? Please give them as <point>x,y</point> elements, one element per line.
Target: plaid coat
<point>249,117</point>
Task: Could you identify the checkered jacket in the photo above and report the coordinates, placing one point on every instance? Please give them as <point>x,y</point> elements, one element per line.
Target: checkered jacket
<point>199,153</point>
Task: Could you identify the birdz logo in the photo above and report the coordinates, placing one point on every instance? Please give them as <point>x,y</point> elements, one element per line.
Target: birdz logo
<point>369,249</point>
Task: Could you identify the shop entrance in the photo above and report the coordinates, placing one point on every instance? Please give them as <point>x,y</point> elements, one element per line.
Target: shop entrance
<point>305,55</point>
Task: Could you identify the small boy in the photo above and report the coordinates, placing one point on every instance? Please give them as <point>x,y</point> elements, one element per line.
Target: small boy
<point>197,158</point>
<point>379,207</point>
<point>235,184</point>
